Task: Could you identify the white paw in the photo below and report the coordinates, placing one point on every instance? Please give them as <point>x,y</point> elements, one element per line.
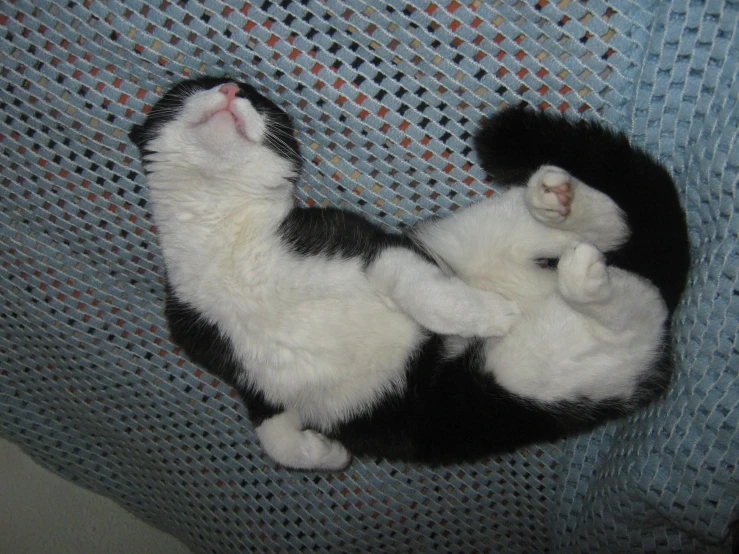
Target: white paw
<point>549,194</point>
<point>496,316</point>
<point>287,444</point>
<point>321,452</point>
<point>583,275</point>
<point>481,314</point>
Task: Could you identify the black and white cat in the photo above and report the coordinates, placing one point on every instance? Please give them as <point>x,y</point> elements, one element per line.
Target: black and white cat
<point>448,344</point>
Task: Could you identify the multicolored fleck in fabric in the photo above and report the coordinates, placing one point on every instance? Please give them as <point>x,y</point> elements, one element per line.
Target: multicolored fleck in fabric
<point>385,98</point>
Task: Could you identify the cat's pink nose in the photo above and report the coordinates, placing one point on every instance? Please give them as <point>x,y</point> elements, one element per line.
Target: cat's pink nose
<point>230,90</point>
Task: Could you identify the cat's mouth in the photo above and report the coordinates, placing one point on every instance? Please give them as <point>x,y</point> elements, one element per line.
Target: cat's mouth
<point>228,112</point>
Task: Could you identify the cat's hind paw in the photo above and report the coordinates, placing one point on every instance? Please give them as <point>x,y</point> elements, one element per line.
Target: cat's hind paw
<point>323,452</point>
<point>583,275</point>
<point>290,446</point>
<point>549,194</point>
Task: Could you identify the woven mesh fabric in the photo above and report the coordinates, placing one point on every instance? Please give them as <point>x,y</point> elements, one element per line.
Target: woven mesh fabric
<point>385,100</point>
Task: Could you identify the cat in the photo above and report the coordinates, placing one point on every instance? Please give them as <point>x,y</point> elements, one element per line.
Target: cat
<point>342,338</point>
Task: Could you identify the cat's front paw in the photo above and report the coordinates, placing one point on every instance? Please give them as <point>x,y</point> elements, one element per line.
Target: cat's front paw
<point>498,316</point>
<point>480,313</point>
<point>583,275</point>
<point>549,194</point>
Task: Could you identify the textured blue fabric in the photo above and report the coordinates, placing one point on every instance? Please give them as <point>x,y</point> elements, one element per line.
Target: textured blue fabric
<point>385,99</point>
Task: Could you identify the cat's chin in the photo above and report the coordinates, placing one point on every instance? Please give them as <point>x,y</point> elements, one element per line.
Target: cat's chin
<point>222,135</point>
<point>224,125</point>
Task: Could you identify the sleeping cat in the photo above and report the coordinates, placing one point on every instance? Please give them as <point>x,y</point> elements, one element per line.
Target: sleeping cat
<point>447,344</point>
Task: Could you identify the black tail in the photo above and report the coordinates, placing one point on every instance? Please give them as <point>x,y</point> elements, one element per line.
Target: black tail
<point>515,142</point>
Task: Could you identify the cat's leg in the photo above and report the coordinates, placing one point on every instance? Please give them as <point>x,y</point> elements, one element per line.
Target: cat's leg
<point>286,442</point>
<point>441,303</point>
<point>559,200</point>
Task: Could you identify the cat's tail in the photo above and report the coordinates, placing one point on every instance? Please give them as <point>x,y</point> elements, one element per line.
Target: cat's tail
<point>515,142</point>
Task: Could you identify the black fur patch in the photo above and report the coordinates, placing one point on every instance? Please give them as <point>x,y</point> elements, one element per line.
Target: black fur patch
<point>335,233</point>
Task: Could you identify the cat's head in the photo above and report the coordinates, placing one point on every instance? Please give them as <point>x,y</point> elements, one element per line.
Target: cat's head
<point>216,128</point>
